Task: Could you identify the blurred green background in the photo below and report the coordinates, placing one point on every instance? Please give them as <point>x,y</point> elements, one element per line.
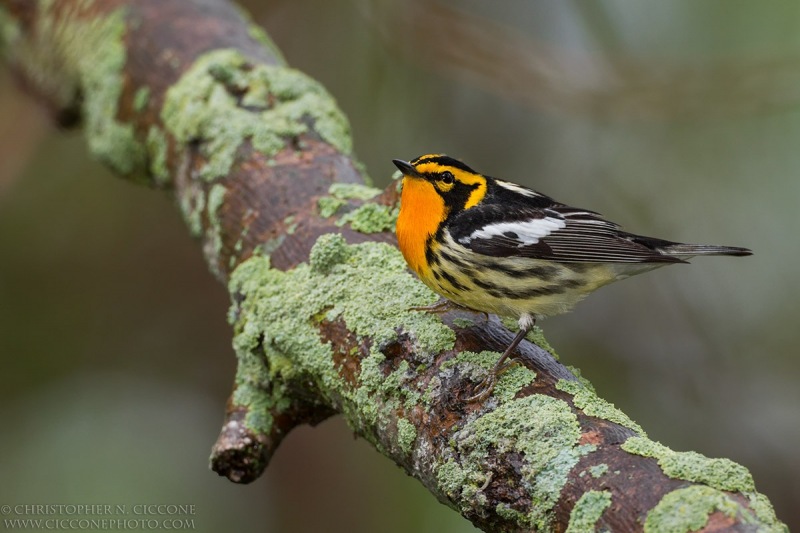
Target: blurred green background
<point>676,119</point>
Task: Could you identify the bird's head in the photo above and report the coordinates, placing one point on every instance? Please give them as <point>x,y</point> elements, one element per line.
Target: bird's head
<point>439,176</point>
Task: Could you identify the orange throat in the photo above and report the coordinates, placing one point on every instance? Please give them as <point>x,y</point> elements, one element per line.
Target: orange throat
<point>421,212</point>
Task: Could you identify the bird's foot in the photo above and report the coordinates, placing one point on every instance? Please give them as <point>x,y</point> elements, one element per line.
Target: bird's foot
<point>444,305</point>
<point>485,387</point>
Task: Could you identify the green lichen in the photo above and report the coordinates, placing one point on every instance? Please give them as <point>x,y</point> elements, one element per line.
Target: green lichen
<point>462,322</point>
<point>276,312</point>
<point>578,374</point>
<point>157,147</point>
<point>291,224</point>
<point>192,203</point>
<point>367,218</point>
<point>431,391</point>
<point>477,365</point>
<point>330,250</point>
<point>547,442</point>
<point>224,100</point>
<point>765,513</point>
<point>252,391</point>
<point>391,393</point>
<point>371,381</point>
<point>591,404</point>
<point>410,397</point>
<point>140,99</point>
<point>268,247</point>
<point>506,512</point>
<point>512,381</point>
<point>452,479</point>
<point>471,364</point>
<point>237,247</point>
<point>101,55</point>
<point>717,474</point>
<point>587,511</point>
<point>353,191</point>
<point>258,350</point>
<point>722,474</point>
<point>213,242</point>
<point>406,434</point>
<point>77,58</point>
<point>93,51</point>
<point>257,388</point>
<point>598,470</point>
<point>328,206</point>
<point>688,509</point>
<point>371,218</point>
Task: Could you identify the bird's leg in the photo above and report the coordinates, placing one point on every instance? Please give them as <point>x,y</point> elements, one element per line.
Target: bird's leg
<point>486,386</point>
<point>444,305</point>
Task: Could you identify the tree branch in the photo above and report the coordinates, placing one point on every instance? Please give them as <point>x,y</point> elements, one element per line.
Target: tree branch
<point>190,96</point>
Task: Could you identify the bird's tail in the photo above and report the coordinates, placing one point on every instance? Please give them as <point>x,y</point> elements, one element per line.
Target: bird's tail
<point>686,250</point>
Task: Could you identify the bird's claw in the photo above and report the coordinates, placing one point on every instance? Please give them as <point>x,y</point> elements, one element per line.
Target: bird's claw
<point>485,387</point>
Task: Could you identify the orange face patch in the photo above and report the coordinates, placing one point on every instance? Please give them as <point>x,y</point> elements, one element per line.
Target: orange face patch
<point>421,211</point>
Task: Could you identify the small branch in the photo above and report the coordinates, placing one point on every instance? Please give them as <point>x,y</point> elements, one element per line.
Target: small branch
<point>189,96</point>
<point>241,454</point>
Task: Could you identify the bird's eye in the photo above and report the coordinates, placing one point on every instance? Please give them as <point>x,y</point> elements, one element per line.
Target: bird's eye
<point>447,177</point>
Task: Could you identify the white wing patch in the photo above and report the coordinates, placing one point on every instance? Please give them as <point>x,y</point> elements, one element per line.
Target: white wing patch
<point>525,232</point>
<point>517,188</point>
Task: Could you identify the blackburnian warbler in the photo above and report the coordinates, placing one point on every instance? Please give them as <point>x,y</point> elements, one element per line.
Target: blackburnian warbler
<point>498,247</point>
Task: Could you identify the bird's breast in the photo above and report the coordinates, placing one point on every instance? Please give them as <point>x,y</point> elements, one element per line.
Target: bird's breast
<point>421,212</point>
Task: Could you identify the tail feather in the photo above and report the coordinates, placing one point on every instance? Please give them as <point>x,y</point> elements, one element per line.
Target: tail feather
<point>681,250</point>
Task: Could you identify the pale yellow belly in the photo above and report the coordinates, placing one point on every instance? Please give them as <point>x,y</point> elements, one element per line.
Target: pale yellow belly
<point>513,286</point>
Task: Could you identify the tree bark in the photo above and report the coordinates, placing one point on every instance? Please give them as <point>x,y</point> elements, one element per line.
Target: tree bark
<point>190,96</point>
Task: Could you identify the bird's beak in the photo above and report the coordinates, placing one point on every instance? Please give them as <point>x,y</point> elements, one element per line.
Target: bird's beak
<point>406,168</point>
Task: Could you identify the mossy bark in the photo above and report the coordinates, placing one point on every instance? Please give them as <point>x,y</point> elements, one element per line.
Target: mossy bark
<point>193,98</point>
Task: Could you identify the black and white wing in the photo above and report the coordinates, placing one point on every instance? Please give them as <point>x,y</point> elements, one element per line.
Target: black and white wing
<point>552,231</point>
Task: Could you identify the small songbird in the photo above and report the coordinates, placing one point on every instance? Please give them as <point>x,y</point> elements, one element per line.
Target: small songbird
<point>498,247</point>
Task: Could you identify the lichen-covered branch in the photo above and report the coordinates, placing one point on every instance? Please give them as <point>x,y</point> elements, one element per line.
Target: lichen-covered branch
<point>191,97</point>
